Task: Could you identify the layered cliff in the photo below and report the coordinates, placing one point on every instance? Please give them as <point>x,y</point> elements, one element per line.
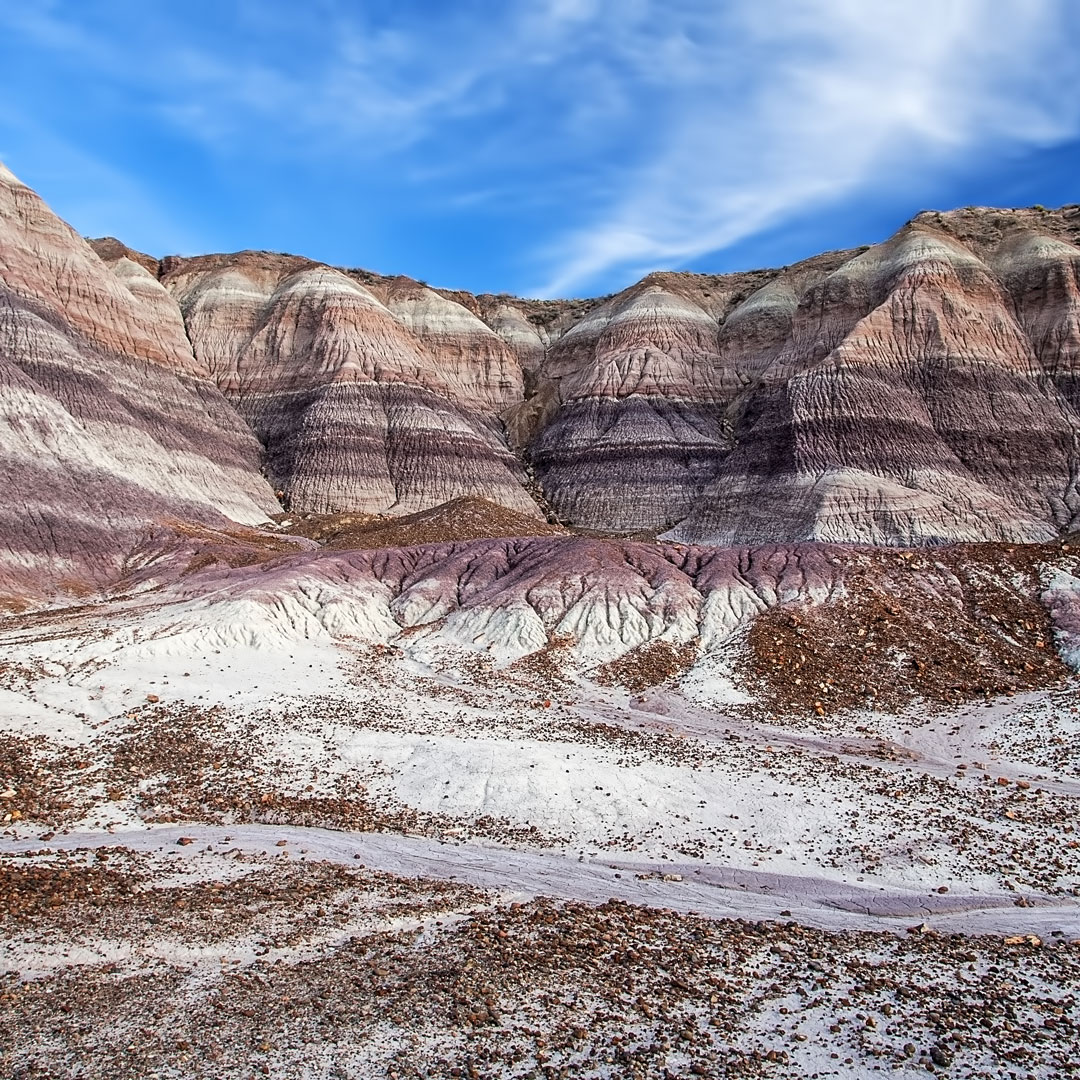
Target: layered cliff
<point>109,421</point>
<point>921,391</point>
<point>370,401</point>
<point>903,403</point>
<point>640,393</point>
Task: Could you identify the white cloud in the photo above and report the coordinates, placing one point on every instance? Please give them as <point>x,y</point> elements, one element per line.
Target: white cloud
<point>341,76</point>
<point>831,95</point>
<point>649,132</point>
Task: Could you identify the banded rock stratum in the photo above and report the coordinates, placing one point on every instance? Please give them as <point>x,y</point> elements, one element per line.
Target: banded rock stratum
<point>920,391</point>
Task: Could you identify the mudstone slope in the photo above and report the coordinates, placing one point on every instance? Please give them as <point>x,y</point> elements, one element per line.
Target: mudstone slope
<point>109,420</point>
<point>920,391</point>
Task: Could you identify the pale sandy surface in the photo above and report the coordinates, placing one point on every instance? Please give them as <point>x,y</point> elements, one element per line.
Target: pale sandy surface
<point>524,854</point>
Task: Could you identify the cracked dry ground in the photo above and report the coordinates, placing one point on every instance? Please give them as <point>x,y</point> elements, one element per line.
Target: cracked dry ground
<point>217,963</point>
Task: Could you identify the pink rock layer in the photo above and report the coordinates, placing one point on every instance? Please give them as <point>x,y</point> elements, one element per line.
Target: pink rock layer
<point>109,421</point>
<point>920,391</point>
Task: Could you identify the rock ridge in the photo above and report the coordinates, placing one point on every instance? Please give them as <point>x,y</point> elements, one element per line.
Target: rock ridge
<point>920,391</point>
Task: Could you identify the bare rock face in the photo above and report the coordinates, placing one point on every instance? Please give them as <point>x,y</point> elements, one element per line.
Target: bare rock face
<point>477,365</point>
<point>906,406</point>
<point>918,392</point>
<point>640,422</point>
<point>109,421</point>
<point>1042,273</point>
<point>922,391</point>
<point>360,406</point>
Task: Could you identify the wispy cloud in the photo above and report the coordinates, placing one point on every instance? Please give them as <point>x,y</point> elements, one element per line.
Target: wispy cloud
<point>89,191</point>
<point>831,95</point>
<point>625,134</point>
<point>341,74</point>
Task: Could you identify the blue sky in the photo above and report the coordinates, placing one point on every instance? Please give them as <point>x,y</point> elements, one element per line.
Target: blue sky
<point>541,147</point>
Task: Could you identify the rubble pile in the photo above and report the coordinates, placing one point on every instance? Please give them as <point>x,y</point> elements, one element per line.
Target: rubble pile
<point>942,627</point>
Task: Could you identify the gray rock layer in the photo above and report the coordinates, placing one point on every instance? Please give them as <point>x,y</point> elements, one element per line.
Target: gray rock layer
<point>360,404</point>
<point>920,391</point>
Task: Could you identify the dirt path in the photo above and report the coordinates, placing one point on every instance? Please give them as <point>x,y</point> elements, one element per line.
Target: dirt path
<point>710,891</point>
<point>934,750</point>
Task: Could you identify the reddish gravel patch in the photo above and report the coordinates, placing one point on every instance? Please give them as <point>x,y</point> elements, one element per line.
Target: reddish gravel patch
<point>29,888</point>
<point>461,519</point>
<point>941,627</point>
<point>647,665</point>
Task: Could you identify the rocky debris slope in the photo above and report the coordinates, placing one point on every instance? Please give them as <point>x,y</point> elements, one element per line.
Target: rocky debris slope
<point>219,795</point>
<point>809,629</point>
<point>363,402</point>
<point>109,421</point>
<point>460,519</point>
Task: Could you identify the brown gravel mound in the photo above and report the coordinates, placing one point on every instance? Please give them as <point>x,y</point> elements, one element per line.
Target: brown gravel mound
<point>647,665</point>
<point>942,627</point>
<point>28,888</point>
<point>467,518</point>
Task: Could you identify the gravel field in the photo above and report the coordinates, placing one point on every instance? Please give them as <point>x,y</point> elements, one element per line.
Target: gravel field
<point>352,860</point>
